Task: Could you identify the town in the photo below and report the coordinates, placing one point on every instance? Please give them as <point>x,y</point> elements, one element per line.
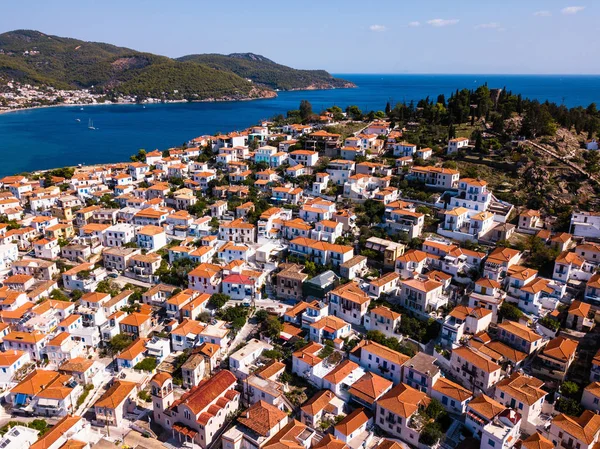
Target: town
<point>312,282</point>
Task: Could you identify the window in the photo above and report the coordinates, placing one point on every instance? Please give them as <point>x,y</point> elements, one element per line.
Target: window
<point>491,443</point>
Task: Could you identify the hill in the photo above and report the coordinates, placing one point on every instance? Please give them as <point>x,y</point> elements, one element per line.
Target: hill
<point>263,71</point>
<point>38,58</point>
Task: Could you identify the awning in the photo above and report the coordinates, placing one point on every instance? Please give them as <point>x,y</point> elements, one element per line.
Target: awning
<point>20,399</point>
<point>44,402</point>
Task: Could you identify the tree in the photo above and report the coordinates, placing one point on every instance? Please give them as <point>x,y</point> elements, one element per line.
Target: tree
<point>435,409</point>
<point>305,109</point>
<point>148,364</point>
<point>272,354</point>
<point>273,327</point>
<point>388,108</point>
<point>218,300</point>
<point>569,388</point>
<point>354,112</point>
<point>568,406</point>
<point>261,315</point>
<point>109,287</point>
<point>509,311</point>
<point>59,295</point>
<point>431,433</point>
<point>118,343</point>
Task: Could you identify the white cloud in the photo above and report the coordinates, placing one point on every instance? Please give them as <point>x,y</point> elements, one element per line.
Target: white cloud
<point>377,28</point>
<point>414,24</point>
<point>442,22</point>
<point>542,13</point>
<point>488,26</point>
<point>570,10</point>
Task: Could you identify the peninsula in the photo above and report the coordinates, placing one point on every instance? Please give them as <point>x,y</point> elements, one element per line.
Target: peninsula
<point>40,69</point>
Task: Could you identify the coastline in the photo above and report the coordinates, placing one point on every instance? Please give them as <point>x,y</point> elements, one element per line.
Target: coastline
<point>209,100</point>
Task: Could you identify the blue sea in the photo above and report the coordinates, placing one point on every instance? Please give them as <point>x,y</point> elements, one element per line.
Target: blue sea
<point>52,137</point>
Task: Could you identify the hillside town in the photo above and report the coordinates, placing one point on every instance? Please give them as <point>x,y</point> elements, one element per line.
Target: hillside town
<point>291,287</point>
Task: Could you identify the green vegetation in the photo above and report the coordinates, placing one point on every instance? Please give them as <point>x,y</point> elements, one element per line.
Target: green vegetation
<point>38,424</point>
<point>390,342</point>
<point>549,323</point>
<point>218,300</point>
<point>421,331</point>
<point>568,406</point>
<point>266,72</point>
<point>118,343</point>
<point>273,326</point>
<point>438,424</point>
<point>273,354</point>
<point>109,287</point>
<point>176,274</point>
<point>509,311</point>
<point>145,396</point>
<point>86,391</point>
<point>110,70</point>
<point>327,350</point>
<point>237,316</point>
<point>148,364</point>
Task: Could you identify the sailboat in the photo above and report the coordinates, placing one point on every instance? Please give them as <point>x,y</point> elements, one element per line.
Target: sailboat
<point>91,124</point>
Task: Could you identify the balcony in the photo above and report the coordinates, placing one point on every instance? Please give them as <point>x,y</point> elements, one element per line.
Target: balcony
<point>471,371</point>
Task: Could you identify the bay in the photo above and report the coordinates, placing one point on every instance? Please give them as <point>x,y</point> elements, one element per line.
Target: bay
<point>52,137</point>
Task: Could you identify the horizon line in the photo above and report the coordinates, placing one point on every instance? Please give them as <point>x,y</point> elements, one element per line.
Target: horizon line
<point>463,74</point>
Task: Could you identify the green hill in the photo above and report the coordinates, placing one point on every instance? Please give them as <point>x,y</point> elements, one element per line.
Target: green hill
<point>263,71</point>
<point>41,59</point>
<point>37,58</point>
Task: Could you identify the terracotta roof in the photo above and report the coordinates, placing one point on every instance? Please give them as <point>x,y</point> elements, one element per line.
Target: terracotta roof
<point>318,402</point>
<point>486,407</point>
<point>560,348</point>
<point>385,312</point>
<point>340,372</point>
<point>579,308</point>
<point>384,352</point>
<point>261,417</point>
<point>161,377</point>
<point>422,285</point>
<point>331,442</point>
<point>403,400</point>
<point>537,441</point>
<point>200,396</point>
<point>133,350</point>
<point>370,387</point>
<point>353,421</point>
<point>56,432</point>
<point>451,389</point>
<point>287,437</point>
<point>585,428</point>
<point>526,389</point>
<point>475,359</point>
<point>77,365</point>
<point>520,331</point>
<point>116,394</point>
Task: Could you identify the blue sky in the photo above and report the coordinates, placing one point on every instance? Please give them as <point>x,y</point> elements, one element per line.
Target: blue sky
<point>398,36</point>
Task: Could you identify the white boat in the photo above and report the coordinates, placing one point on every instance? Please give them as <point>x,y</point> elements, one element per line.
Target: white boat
<point>77,119</point>
<point>81,109</point>
<point>91,124</point>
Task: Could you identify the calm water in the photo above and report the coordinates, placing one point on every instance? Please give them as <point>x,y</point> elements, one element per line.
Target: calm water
<point>51,137</point>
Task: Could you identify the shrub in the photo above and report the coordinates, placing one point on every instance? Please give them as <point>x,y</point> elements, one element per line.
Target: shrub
<point>148,364</point>
<point>509,311</point>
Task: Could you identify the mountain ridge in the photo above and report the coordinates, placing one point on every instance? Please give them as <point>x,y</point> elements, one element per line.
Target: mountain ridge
<point>62,62</point>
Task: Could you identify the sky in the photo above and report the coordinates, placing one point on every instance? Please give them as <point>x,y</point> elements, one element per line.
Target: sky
<point>397,36</point>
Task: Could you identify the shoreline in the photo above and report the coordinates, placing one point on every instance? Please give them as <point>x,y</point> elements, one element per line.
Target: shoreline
<point>212,100</point>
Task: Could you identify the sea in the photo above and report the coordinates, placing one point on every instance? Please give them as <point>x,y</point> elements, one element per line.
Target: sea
<point>45,138</point>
